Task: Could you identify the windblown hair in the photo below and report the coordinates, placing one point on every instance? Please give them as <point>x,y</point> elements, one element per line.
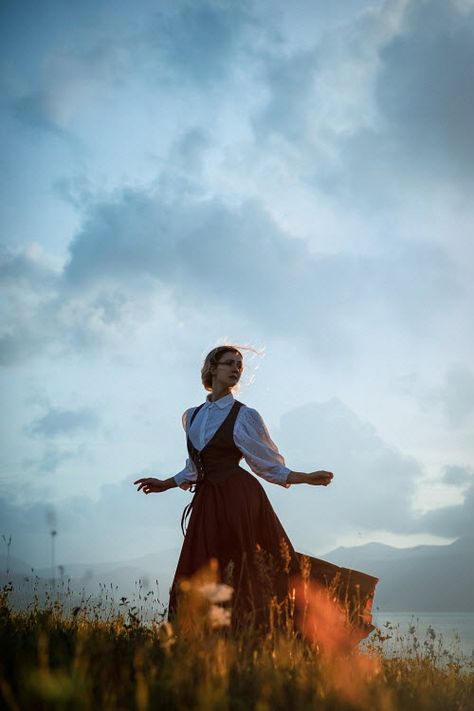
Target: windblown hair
<point>211,360</point>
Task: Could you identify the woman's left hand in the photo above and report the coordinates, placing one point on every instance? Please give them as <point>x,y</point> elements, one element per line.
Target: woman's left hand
<point>320,478</point>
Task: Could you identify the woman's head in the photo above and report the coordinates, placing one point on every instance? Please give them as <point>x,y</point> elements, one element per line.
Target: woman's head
<point>226,358</point>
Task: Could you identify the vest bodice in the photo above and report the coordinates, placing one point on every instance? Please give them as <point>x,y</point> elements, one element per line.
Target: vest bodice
<point>220,457</point>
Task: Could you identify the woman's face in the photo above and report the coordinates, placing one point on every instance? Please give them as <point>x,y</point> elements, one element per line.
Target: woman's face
<point>228,369</point>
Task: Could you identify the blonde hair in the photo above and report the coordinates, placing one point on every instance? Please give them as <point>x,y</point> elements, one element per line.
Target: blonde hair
<point>211,360</point>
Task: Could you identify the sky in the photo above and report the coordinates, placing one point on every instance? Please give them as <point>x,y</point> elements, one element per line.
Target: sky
<point>294,177</point>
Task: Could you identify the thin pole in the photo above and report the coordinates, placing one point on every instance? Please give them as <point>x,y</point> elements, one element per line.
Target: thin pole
<point>53,567</point>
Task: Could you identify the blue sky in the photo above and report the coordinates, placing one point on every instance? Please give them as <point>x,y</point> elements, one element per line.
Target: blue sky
<point>297,177</point>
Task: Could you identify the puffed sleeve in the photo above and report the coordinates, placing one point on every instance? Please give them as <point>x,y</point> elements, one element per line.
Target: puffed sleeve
<point>260,452</point>
<point>188,475</point>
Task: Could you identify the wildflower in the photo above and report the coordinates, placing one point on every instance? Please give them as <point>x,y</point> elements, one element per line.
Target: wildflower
<point>166,636</point>
<point>219,616</point>
<point>216,592</point>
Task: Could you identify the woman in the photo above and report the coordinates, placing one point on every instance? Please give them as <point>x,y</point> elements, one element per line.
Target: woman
<point>230,517</point>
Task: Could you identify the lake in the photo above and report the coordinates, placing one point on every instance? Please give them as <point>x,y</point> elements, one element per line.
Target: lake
<point>455,629</point>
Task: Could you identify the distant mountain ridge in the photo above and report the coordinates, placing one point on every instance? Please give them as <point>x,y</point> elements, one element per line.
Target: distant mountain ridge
<point>122,578</point>
<point>422,578</point>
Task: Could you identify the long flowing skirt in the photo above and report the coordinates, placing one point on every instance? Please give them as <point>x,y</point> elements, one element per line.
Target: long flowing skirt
<point>234,523</point>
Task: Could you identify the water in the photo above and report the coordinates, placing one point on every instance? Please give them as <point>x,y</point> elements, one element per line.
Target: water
<point>456,629</point>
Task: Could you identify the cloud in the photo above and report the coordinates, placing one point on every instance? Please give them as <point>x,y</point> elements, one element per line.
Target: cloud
<point>29,282</point>
<point>322,96</point>
<point>28,266</point>
<point>424,89</point>
<point>455,397</point>
<point>373,485</point>
<point>53,459</point>
<point>202,43</point>
<point>42,315</point>
<point>372,491</point>
<point>452,521</point>
<point>137,247</point>
<point>381,104</point>
<point>58,421</point>
<point>240,257</point>
<point>457,476</point>
<point>36,110</point>
<point>120,524</point>
<point>73,58</point>
<point>381,97</point>
<point>93,55</point>
<point>57,428</point>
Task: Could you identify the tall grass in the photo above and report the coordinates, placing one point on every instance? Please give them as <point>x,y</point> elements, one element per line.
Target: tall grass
<point>54,656</point>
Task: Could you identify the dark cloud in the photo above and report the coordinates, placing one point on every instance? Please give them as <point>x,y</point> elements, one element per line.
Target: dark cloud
<point>232,256</point>
<point>177,243</point>
<point>58,427</point>
<point>36,111</point>
<point>374,483</point>
<point>16,348</point>
<point>424,97</point>
<point>380,105</point>
<point>239,256</point>
<point>139,245</point>
<point>424,134</point>
<point>15,518</point>
<point>425,89</point>
<point>201,42</point>
<point>28,285</point>
<point>286,112</point>
<point>457,476</point>
<point>121,524</point>
<point>374,99</point>
<point>451,521</point>
<point>90,51</point>
<point>40,316</point>
<point>59,421</point>
<point>24,268</point>
<point>53,459</point>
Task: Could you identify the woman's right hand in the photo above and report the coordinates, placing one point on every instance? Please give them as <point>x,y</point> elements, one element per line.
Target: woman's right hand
<point>150,485</point>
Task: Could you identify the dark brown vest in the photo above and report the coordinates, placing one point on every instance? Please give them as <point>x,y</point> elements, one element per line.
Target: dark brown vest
<point>218,459</point>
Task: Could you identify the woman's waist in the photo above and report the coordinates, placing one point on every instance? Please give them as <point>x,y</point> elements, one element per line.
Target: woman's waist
<point>218,475</point>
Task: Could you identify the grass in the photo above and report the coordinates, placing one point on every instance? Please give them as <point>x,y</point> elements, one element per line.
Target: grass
<point>59,656</point>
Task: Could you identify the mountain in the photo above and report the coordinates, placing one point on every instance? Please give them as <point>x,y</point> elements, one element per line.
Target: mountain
<point>421,579</point>
<point>134,579</point>
<point>15,565</point>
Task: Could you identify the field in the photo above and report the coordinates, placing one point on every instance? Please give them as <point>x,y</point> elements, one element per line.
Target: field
<point>94,656</point>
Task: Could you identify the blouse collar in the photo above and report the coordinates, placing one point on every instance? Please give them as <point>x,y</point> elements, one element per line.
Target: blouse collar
<point>222,402</point>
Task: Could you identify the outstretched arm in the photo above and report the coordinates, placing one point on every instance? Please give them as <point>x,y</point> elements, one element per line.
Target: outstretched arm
<point>184,479</point>
<point>261,453</point>
<point>150,485</point>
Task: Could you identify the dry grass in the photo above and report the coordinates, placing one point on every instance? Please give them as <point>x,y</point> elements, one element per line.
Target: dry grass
<point>55,657</point>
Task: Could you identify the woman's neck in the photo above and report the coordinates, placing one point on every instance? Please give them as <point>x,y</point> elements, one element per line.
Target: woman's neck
<point>218,393</point>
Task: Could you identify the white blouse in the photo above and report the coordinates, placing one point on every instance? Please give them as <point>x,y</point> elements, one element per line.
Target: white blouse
<point>250,436</point>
